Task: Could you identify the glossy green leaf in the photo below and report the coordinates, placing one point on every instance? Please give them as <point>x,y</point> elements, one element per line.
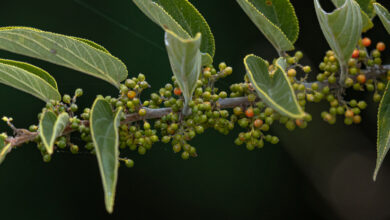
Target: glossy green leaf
<point>274,89</point>
<point>342,29</point>
<point>104,130</point>
<point>180,17</point>
<point>367,23</point>
<point>383,142</point>
<point>51,127</point>
<point>275,19</point>
<point>75,53</point>
<point>384,16</point>
<point>4,150</point>
<point>186,62</point>
<point>29,79</point>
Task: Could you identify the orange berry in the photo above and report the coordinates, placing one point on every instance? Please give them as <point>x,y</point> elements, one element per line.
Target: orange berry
<point>299,122</point>
<point>177,91</point>
<point>131,94</point>
<point>258,123</point>
<point>380,46</point>
<point>357,119</point>
<point>366,42</point>
<point>249,112</point>
<point>349,113</point>
<point>355,53</point>
<point>361,78</point>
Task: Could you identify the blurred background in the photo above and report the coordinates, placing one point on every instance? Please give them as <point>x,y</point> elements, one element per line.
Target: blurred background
<point>321,172</point>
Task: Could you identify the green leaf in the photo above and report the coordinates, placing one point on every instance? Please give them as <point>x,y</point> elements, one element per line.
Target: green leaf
<point>206,59</point>
<point>274,89</point>
<point>383,141</point>
<point>29,79</point>
<point>275,19</point>
<point>4,150</point>
<point>92,44</point>
<point>342,29</point>
<point>180,17</point>
<point>367,23</point>
<point>186,62</point>
<point>75,53</point>
<point>384,15</point>
<point>51,127</point>
<point>368,7</point>
<point>104,130</point>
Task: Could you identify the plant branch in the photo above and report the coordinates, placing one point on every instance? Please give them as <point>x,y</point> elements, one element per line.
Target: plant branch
<point>24,136</point>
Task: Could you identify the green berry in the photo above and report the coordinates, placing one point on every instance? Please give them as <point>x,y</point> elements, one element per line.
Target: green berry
<point>74,149</point>
<point>67,99</point>
<point>129,163</point>
<point>46,158</point>
<point>78,92</point>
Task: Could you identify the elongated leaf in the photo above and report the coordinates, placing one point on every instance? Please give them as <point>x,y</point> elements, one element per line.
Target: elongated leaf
<point>4,150</point>
<point>180,17</point>
<point>275,90</point>
<point>75,53</point>
<point>342,29</point>
<point>29,78</point>
<point>384,15</point>
<point>383,142</point>
<point>92,44</point>
<point>104,130</point>
<point>367,23</point>
<point>275,19</point>
<point>51,127</point>
<point>186,62</point>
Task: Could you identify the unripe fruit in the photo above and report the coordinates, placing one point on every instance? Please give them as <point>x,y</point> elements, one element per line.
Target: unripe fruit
<point>306,69</point>
<point>74,149</point>
<point>237,111</point>
<point>176,148</point>
<point>291,72</point>
<point>362,104</point>
<point>376,97</point>
<point>78,92</point>
<point>129,163</point>
<point>67,99</point>
<point>381,86</point>
<point>228,70</point>
<point>185,155</point>
<point>142,112</point>
<point>46,158</point>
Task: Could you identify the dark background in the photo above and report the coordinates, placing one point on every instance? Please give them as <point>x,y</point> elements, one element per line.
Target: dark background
<point>322,172</point>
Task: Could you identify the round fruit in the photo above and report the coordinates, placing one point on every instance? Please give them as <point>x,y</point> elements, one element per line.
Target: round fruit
<point>355,53</point>
<point>361,78</point>
<point>177,91</point>
<point>380,46</point>
<point>249,112</point>
<point>366,42</point>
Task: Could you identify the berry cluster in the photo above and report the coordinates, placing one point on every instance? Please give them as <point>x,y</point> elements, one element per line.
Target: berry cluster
<point>139,130</point>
